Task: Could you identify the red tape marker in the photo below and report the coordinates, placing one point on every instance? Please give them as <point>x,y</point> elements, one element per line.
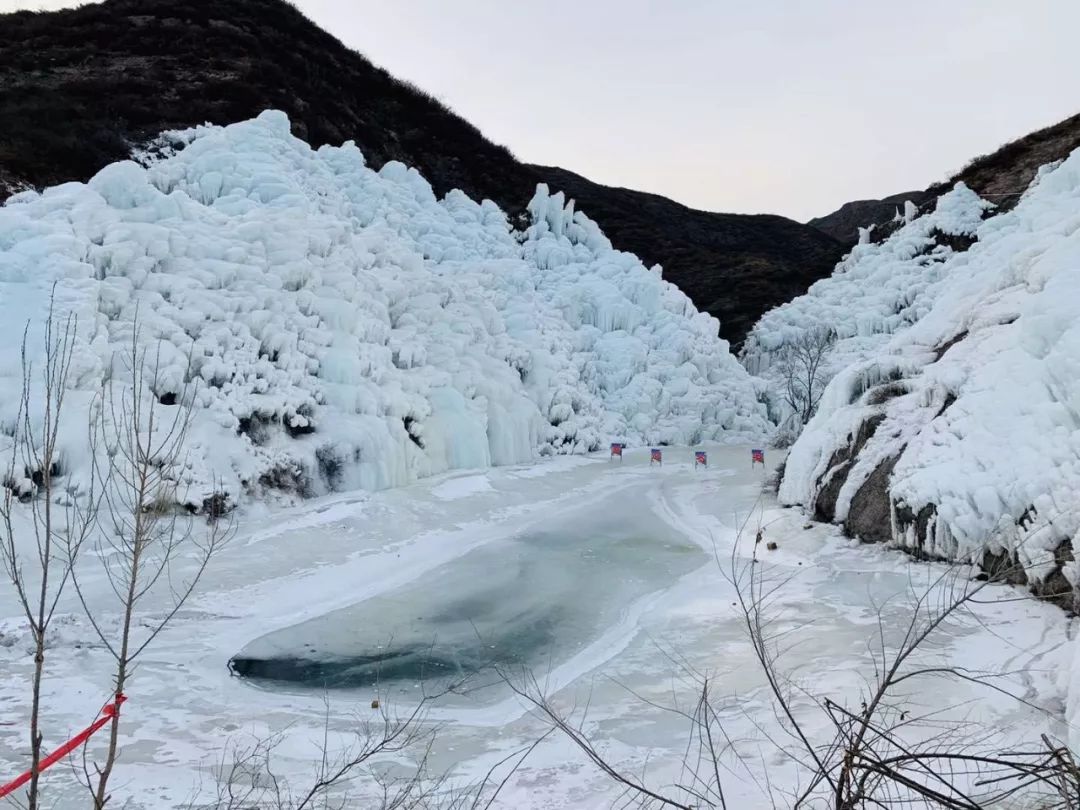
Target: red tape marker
<point>108,712</point>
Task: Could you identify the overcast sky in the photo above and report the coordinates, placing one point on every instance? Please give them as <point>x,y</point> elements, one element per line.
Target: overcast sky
<point>785,107</point>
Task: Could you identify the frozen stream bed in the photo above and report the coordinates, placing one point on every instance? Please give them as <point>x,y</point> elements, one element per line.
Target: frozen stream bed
<point>533,599</point>
<point>606,580</point>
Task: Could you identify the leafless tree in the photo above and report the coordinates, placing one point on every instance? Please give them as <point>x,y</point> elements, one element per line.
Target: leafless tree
<point>799,365</point>
<point>869,761</point>
<point>60,521</point>
<point>248,777</point>
<point>146,545</point>
<point>882,752</point>
<point>700,786</point>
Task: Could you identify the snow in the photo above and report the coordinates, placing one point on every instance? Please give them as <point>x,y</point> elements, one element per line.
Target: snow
<point>336,328</point>
<point>633,628</point>
<point>461,487</point>
<point>875,291</point>
<point>342,331</point>
<point>986,423</point>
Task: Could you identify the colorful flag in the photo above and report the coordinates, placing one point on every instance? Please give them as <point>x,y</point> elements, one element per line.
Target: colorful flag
<point>757,456</point>
<point>616,449</point>
<point>699,458</point>
<point>655,455</point>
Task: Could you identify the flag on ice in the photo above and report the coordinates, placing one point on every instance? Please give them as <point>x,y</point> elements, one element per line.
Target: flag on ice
<point>699,458</point>
<point>757,457</point>
<point>656,456</point>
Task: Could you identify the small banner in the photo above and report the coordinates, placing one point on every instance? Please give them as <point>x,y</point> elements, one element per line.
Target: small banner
<point>757,457</point>
<point>108,711</point>
<point>700,458</point>
<point>656,456</point>
<point>616,449</point>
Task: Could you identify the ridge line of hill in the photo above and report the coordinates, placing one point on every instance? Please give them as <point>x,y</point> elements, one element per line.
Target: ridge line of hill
<point>80,88</point>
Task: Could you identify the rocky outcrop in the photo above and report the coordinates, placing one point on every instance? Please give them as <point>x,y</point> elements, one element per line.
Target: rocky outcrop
<point>843,224</point>
<point>868,515</point>
<point>835,476</point>
<point>1000,177</point>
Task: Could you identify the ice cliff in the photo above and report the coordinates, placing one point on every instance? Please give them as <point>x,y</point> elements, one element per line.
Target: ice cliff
<point>334,327</point>
<point>952,425</point>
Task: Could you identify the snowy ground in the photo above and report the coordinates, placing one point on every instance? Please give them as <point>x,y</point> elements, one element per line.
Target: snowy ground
<point>627,622</point>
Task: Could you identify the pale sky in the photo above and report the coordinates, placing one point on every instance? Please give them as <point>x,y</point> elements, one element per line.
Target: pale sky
<point>782,107</point>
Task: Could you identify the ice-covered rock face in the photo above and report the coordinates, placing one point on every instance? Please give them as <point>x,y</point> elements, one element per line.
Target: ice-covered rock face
<point>974,408</point>
<point>876,291</point>
<point>337,327</point>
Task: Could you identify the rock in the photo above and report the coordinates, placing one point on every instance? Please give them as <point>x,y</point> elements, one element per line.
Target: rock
<point>869,516</point>
<point>843,224</point>
<point>1055,587</point>
<point>839,467</point>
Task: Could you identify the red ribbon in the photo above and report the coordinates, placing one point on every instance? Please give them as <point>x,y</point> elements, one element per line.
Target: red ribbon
<point>108,712</point>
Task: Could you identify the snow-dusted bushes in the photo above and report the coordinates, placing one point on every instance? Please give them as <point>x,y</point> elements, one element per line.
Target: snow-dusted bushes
<point>972,405</point>
<point>338,327</point>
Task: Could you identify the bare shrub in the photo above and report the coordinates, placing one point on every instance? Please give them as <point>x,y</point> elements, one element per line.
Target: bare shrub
<point>59,522</point>
<point>138,448</point>
<point>799,364</point>
<point>248,776</point>
<point>882,753</point>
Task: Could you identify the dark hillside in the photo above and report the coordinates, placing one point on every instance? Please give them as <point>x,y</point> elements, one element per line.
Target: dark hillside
<point>736,266</point>
<point>1000,177</point>
<point>843,224</point>
<point>80,88</point>
<point>1004,174</point>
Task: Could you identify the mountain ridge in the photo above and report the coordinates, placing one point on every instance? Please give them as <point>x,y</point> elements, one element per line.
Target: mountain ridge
<point>843,224</point>
<point>745,241</point>
<point>80,88</point>
<point>1000,176</point>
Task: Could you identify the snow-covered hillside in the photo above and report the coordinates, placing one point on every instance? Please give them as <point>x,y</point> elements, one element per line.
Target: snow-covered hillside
<point>954,425</point>
<point>877,290</point>
<point>337,327</point>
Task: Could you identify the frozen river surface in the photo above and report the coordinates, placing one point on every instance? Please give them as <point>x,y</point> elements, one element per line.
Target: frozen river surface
<point>605,580</point>
<point>533,599</point>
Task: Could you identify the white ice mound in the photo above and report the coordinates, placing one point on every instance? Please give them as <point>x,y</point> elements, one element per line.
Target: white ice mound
<point>974,407</point>
<point>877,289</point>
<point>347,329</point>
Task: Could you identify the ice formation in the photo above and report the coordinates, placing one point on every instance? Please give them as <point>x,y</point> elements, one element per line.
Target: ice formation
<point>336,327</point>
<point>877,289</point>
<point>959,396</point>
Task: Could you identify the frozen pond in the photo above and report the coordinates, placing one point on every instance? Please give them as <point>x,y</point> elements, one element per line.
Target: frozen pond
<point>529,600</point>
<point>597,577</point>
